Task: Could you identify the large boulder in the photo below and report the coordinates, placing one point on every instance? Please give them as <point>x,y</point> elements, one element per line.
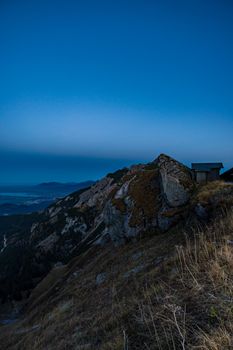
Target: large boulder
<point>176,180</point>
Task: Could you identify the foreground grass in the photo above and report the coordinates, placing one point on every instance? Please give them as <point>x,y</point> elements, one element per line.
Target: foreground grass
<point>172,291</point>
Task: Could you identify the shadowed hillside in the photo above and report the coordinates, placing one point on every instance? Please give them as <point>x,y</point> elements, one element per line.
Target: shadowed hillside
<point>140,260</point>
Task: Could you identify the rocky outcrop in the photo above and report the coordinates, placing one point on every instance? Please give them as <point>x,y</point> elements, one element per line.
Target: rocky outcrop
<point>177,183</point>
<point>123,205</point>
<point>97,194</point>
<point>117,225</point>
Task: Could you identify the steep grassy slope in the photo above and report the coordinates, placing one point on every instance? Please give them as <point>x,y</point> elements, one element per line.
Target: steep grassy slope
<point>171,291</point>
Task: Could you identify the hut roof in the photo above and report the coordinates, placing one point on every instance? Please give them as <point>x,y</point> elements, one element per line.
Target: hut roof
<point>206,166</point>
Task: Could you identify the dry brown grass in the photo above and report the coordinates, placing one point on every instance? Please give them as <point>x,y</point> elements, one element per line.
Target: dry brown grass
<point>206,268</point>
<point>180,297</point>
<point>119,204</point>
<point>208,191</point>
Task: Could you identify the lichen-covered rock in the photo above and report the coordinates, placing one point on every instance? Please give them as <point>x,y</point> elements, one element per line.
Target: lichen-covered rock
<point>168,217</point>
<point>149,198</point>
<point>117,224</point>
<point>176,179</point>
<point>145,194</point>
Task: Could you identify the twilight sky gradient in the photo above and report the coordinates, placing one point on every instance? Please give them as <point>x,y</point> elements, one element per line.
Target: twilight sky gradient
<point>88,86</point>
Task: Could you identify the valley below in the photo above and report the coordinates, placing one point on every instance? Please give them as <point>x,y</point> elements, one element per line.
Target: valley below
<point>22,199</point>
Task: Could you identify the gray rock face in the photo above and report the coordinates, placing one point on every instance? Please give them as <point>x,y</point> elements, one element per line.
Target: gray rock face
<point>114,222</point>
<point>168,186</point>
<point>177,183</point>
<point>117,224</point>
<point>164,222</point>
<point>96,194</point>
<point>168,217</point>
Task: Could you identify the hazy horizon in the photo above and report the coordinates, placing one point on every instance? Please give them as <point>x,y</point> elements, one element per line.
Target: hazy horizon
<point>34,169</point>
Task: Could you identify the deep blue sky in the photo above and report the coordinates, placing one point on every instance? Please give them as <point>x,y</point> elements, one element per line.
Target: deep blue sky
<point>88,86</point>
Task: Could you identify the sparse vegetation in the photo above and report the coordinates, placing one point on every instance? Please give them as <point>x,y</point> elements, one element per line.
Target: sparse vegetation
<point>119,204</point>
<point>146,195</point>
<point>214,189</point>
<point>117,175</point>
<point>181,299</point>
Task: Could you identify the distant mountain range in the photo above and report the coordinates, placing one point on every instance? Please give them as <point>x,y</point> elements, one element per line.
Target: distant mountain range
<point>48,186</point>
<point>58,184</point>
<point>23,199</point>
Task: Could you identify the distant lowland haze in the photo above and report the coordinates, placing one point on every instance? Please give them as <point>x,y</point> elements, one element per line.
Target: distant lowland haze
<point>90,87</point>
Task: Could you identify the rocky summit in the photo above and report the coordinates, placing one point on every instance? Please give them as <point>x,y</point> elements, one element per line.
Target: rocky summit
<point>138,232</point>
<point>122,205</point>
